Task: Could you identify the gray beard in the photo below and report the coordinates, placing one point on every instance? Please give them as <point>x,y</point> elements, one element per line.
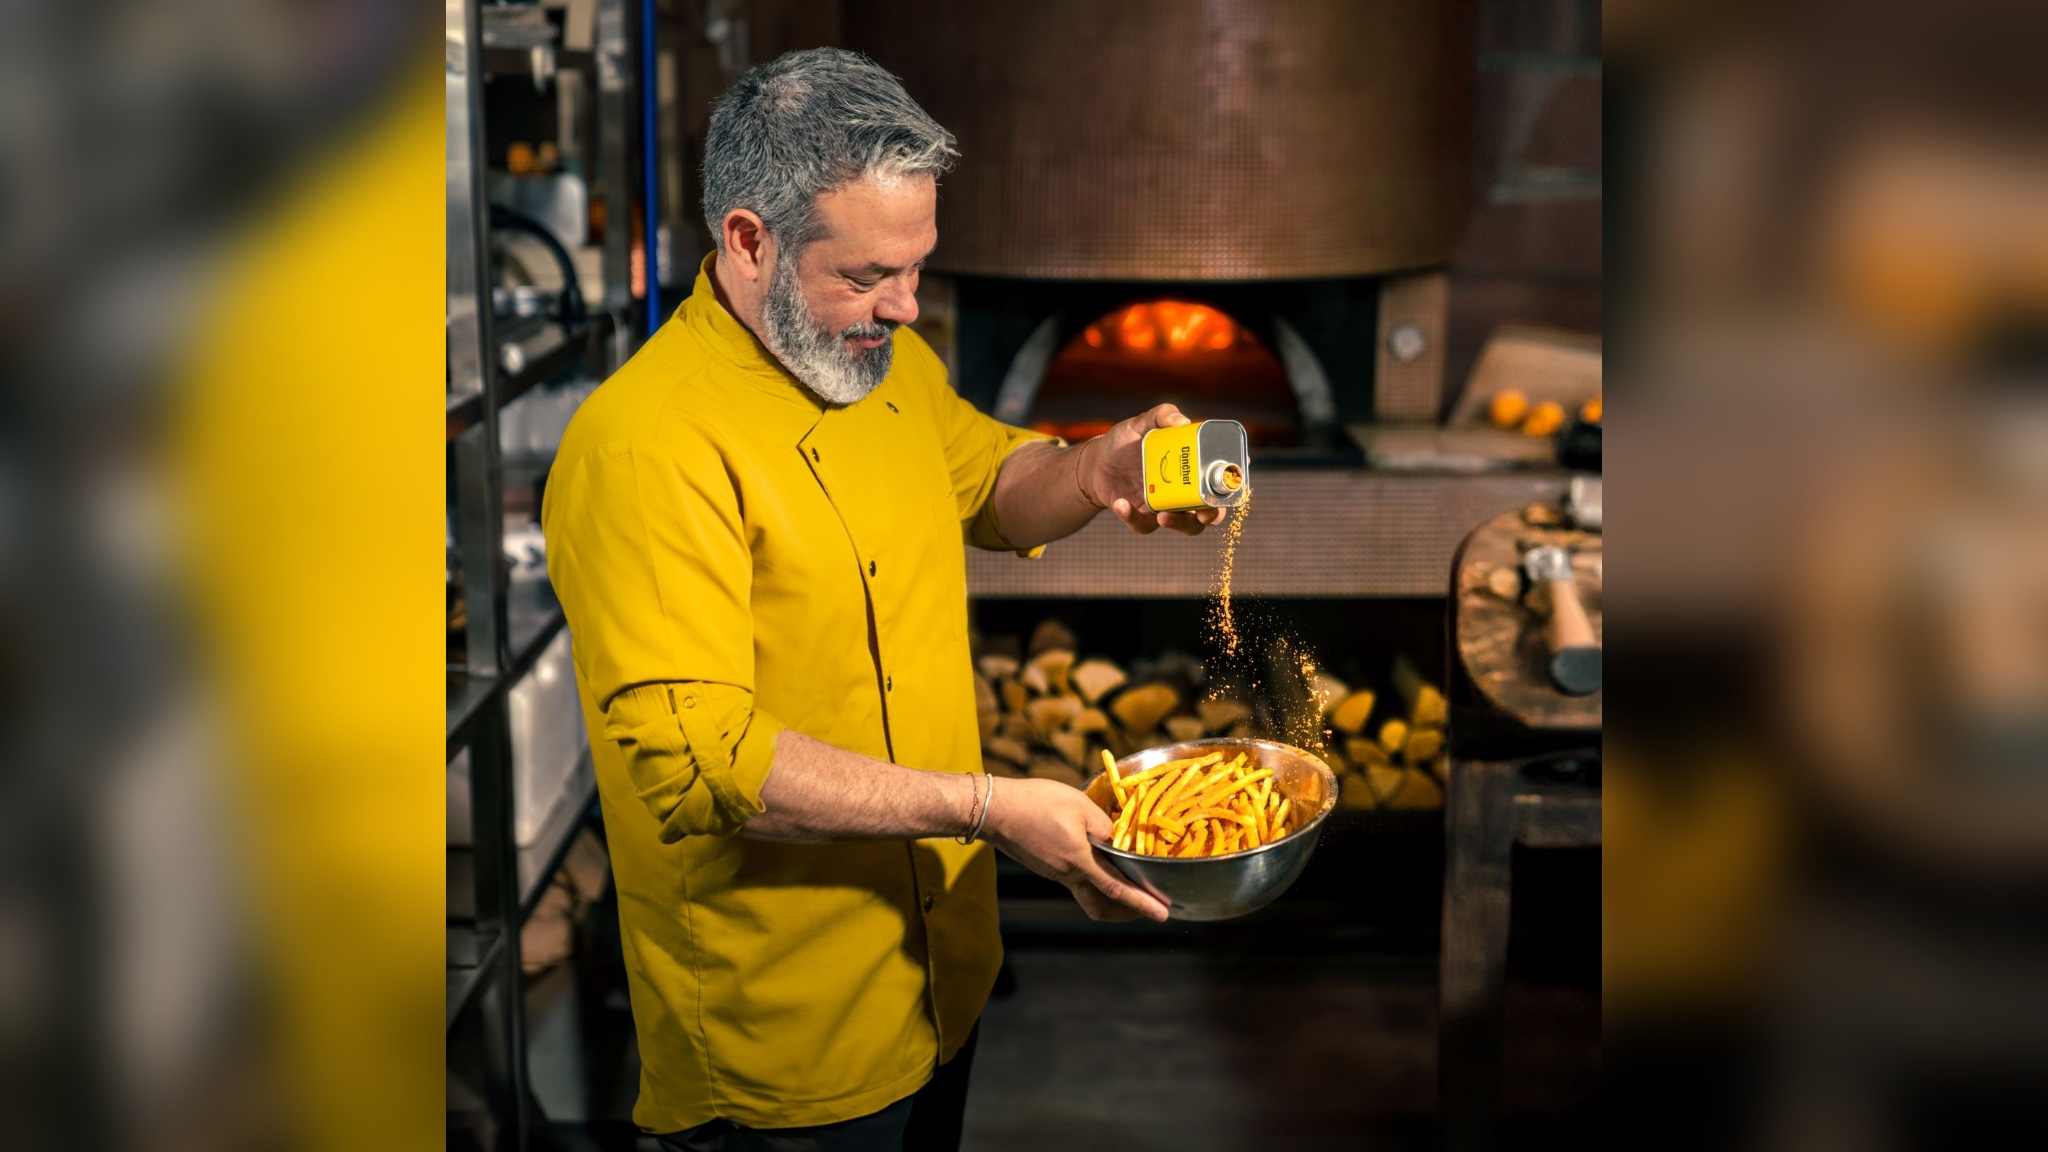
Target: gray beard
<point>819,358</point>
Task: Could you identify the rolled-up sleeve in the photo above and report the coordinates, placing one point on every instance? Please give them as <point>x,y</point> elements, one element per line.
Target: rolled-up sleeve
<point>648,554</point>
<point>697,753</point>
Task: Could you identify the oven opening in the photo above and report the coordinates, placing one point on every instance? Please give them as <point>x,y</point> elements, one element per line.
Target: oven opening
<point>1171,349</point>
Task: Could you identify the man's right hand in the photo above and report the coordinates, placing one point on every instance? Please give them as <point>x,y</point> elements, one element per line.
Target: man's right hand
<point>1048,827</point>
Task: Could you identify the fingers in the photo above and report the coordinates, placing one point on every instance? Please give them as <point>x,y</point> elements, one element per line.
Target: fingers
<point>1140,522</point>
<point>1163,416</point>
<point>1185,523</point>
<point>1096,907</point>
<point>1120,892</point>
<point>1145,523</point>
<point>1100,826</point>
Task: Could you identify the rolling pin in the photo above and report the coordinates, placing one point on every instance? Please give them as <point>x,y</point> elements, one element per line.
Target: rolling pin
<point>1574,651</point>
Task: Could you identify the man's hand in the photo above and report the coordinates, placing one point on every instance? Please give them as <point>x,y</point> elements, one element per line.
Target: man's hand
<point>1113,476</point>
<point>1046,826</point>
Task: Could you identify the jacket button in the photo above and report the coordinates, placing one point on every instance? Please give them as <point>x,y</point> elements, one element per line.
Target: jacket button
<point>929,901</point>
<point>889,684</point>
<point>689,701</point>
<point>871,567</point>
<point>814,453</point>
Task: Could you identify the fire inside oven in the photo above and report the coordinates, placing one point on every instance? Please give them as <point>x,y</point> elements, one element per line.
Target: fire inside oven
<point>1286,359</point>
<point>1167,350</point>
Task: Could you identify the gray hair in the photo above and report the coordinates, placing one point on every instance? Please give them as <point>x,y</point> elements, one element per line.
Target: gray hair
<point>803,124</point>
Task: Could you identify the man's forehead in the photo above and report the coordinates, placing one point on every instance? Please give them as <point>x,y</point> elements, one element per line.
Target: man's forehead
<point>891,223</point>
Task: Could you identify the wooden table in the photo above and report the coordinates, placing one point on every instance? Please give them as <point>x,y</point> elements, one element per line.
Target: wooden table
<point>1524,770</point>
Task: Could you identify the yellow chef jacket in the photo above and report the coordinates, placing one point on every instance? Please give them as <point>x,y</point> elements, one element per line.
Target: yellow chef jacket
<point>735,558</point>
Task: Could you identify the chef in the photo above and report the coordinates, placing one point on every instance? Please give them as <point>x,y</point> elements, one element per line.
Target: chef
<point>757,531</point>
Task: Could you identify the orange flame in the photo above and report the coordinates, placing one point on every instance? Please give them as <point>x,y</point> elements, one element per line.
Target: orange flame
<point>1166,326</point>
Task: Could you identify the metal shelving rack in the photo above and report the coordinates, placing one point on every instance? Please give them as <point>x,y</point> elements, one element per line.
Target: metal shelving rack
<point>496,884</point>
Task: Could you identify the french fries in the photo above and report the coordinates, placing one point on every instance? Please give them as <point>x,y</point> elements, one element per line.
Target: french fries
<point>1199,806</point>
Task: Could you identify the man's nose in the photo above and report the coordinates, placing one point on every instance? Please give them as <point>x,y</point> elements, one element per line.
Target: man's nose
<point>898,302</point>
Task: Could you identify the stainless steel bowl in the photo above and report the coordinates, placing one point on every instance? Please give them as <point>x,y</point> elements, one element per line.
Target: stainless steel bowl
<point>1225,887</point>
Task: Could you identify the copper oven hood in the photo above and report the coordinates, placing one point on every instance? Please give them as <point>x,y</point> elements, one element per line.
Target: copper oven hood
<point>1173,140</point>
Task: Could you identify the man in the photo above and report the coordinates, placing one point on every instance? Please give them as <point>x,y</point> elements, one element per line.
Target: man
<point>756,530</point>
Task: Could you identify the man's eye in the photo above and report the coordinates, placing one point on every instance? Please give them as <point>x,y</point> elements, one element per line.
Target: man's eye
<point>863,285</point>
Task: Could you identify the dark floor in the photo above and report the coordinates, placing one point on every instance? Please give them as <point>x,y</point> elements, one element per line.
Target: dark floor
<point>1311,1024</point>
<point>1160,1048</point>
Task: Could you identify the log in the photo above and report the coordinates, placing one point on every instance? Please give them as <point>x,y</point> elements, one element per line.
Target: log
<point>1013,695</point>
<point>1050,668</point>
<point>1364,751</point>
<point>988,710</point>
<point>1185,728</point>
<point>1355,791</point>
<point>1329,692</point>
<point>1005,748</point>
<point>1094,679</point>
<point>1050,714</point>
<point>1426,708</point>
<point>1122,743</point>
<point>1430,708</point>
<point>1072,747</point>
<point>1051,633</point>
<point>1386,781</point>
<point>1140,709</point>
<point>1178,668</point>
<point>1219,714</point>
<point>1419,791</point>
<point>1289,701</point>
<point>996,766</point>
<point>1422,746</point>
<point>1393,734</point>
<point>1048,768</point>
<point>1014,726</point>
<point>1090,720</point>
<point>997,667</point>
<point>1351,713</point>
<point>1033,678</point>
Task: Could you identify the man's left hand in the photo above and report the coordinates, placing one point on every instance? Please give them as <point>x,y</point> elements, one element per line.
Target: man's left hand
<point>1113,476</point>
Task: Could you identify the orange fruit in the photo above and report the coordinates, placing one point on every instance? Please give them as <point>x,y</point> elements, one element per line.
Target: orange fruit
<point>1544,419</point>
<point>1507,408</point>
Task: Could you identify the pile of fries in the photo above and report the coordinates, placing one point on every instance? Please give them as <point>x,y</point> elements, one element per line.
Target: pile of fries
<point>1202,806</point>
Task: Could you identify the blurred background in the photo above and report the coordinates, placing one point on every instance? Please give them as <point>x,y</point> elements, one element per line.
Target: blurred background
<point>1829,729</point>
<point>242,910</point>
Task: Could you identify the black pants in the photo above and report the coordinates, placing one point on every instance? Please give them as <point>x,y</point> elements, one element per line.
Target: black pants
<point>927,1120</point>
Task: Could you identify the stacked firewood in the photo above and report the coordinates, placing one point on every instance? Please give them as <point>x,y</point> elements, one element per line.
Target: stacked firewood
<point>1047,711</point>
<point>1051,711</point>
<point>1393,756</point>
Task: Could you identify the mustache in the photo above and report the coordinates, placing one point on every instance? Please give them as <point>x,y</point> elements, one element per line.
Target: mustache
<point>869,331</point>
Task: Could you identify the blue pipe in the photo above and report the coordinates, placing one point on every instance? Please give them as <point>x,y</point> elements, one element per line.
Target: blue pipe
<point>650,169</point>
